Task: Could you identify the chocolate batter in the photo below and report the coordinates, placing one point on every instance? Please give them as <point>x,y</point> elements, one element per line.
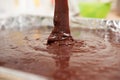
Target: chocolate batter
<point>61,29</point>
<point>90,58</point>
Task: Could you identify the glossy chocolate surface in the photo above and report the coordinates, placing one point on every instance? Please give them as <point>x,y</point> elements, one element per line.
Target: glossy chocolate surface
<point>89,58</point>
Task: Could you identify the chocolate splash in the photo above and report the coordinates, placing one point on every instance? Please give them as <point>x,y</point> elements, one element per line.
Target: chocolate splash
<point>61,29</point>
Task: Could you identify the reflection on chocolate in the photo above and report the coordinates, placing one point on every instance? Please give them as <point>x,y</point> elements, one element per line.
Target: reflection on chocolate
<point>62,58</point>
<point>61,54</point>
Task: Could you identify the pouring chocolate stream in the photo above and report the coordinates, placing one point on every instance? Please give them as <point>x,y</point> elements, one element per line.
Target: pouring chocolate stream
<point>61,29</point>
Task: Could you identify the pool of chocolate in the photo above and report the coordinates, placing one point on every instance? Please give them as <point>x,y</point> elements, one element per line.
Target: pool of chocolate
<point>90,57</point>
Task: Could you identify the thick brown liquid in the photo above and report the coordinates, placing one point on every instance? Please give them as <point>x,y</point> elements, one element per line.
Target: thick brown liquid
<point>61,29</point>
<point>89,58</point>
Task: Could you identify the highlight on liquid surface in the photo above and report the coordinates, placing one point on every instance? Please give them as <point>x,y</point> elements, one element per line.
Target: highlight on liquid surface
<point>90,57</point>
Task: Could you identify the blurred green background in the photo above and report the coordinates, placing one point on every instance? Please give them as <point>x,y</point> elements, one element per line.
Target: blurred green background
<point>94,9</point>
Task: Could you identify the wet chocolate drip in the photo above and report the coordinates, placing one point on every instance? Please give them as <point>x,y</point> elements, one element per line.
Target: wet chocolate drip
<point>61,29</point>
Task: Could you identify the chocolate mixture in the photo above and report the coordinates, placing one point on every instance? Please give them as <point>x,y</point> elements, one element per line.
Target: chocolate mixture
<point>90,57</point>
<point>61,29</point>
